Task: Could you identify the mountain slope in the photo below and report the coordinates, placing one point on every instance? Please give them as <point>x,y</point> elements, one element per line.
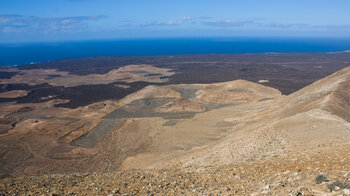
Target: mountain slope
<point>227,138</point>
<point>311,120</point>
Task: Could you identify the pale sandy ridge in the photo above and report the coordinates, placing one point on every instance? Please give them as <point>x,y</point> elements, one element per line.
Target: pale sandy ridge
<point>14,94</point>
<point>129,73</point>
<point>299,123</point>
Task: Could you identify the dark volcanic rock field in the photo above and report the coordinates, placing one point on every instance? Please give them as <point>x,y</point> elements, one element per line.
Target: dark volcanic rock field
<point>287,72</point>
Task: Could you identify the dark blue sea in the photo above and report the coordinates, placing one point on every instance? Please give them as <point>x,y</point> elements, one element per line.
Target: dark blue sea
<point>18,54</point>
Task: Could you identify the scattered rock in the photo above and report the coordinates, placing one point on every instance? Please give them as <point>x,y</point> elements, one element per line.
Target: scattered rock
<point>115,191</point>
<point>338,185</point>
<point>266,187</point>
<point>321,178</point>
<point>346,191</point>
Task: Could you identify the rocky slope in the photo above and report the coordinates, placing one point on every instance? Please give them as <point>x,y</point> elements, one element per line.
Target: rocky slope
<point>315,174</point>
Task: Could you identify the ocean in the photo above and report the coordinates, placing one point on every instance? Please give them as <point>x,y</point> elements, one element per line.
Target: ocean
<point>29,53</point>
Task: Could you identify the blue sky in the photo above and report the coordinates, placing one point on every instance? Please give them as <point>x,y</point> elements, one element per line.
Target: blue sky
<point>55,20</point>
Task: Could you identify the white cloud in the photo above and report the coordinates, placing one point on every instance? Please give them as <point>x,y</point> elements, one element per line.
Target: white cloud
<point>19,23</point>
<point>227,23</point>
<point>168,23</point>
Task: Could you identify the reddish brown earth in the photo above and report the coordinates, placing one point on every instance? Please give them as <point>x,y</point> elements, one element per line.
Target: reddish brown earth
<point>238,137</point>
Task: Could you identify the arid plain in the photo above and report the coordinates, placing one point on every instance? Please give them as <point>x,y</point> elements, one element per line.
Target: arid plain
<point>246,124</point>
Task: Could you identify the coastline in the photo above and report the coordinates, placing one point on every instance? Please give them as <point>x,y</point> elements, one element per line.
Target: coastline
<point>22,54</point>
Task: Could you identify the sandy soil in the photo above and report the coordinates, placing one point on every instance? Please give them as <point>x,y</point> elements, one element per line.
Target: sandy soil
<point>128,74</point>
<point>14,94</point>
<point>254,141</point>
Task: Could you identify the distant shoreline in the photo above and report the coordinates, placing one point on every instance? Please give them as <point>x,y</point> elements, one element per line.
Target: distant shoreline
<point>22,54</point>
<point>165,55</point>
